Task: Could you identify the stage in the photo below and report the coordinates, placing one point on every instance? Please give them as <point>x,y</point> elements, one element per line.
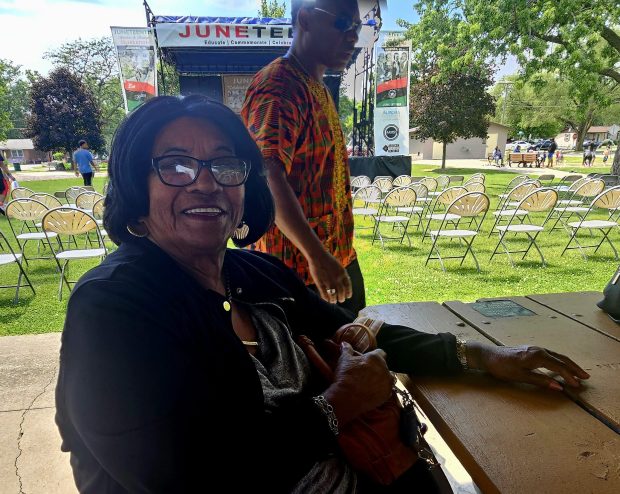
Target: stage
<point>374,166</point>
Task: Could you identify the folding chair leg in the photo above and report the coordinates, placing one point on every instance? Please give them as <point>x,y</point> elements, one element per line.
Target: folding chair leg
<point>533,242</point>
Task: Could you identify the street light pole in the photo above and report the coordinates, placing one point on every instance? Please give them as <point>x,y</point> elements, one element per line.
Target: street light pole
<point>506,85</point>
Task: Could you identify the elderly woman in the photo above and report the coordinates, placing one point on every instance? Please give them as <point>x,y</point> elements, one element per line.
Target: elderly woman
<point>179,368</point>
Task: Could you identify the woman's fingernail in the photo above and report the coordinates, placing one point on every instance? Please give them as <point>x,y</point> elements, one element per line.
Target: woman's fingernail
<point>556,386</point>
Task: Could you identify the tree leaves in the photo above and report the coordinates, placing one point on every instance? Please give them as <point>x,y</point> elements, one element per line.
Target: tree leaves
<point>63,111</point>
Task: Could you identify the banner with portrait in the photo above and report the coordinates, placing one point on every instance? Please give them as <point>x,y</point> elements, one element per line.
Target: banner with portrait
<point>135,49</point>
<point>391,115</point>
<point>234,88</point>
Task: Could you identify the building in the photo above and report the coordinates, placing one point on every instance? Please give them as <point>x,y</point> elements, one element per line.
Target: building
<point>603,132</point>
<point>22,151</point>
<point>462,148</point>
<point>566,139</point>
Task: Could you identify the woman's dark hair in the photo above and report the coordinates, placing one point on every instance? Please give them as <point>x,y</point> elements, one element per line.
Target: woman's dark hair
<point>129,166</point>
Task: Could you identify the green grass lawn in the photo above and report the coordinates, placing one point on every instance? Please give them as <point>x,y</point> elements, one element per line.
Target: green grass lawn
<point>394,274</point>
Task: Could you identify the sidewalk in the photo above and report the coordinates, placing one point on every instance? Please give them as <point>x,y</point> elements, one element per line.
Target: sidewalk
<point>484,165</point>
<point>30,458</point>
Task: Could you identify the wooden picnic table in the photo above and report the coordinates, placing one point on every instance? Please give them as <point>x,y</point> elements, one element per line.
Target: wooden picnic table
<point>515,438</point>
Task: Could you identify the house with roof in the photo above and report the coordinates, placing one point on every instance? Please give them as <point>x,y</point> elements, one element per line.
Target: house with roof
<point>602,132</point>
<point>22,151</point>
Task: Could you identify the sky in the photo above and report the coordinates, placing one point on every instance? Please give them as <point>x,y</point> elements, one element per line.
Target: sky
<point>29,28</point>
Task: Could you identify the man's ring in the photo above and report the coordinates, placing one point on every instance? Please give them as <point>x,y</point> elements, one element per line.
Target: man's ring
<point>331,291</point>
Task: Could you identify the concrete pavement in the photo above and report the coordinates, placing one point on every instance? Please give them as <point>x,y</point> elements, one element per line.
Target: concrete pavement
<point>30,458</point>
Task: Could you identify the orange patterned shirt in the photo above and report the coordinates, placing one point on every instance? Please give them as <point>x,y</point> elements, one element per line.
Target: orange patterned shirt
<point>294,120</point>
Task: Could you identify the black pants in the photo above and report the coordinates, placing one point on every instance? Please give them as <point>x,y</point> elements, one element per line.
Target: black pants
<point>358,301</point>
<point>88,178</point>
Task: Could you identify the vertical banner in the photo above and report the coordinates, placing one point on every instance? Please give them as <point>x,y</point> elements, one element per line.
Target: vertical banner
<point>135,49</point>
<point>234,88</point>
<point>391,122</point>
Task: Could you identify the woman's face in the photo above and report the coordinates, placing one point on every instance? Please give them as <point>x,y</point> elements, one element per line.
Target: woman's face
<point>198,219</point>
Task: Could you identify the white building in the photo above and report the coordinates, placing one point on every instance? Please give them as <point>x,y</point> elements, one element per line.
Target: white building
<point>462,148</point>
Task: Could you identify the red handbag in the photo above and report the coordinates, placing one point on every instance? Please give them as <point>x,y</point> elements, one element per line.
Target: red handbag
<point>380,443</point>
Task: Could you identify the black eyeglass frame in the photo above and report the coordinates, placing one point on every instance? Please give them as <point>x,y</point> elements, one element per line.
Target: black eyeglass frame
<point>353,26</point>
<point>202,164</point>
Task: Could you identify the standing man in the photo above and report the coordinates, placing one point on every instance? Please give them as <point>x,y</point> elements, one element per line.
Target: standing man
<point>294,121</point>
<point>551,153</point>
<point>83,160</point>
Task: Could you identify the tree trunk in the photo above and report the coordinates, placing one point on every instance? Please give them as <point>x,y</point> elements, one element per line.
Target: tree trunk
<point>443,155</point>
<point>615,167</point>
<point>583,128</point>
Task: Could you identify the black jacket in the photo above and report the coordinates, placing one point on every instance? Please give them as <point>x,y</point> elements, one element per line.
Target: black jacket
<point>156,394</point>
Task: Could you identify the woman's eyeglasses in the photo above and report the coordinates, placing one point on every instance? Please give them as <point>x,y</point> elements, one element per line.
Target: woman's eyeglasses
<point>180,171</point>
<point>345,24</point>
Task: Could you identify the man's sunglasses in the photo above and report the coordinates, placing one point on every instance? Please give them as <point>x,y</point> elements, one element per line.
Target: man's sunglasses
<point>180,171</point>
<point>345,24</point>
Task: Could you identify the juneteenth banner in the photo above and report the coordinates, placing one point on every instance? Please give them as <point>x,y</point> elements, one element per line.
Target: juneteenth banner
<point>391,116</point>
<point>135,50</point>
<point>177,34</point>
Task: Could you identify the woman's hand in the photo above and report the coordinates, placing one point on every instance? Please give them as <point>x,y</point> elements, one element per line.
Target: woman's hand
<point>361,383</point>
<point>330,278</point>
<point>520,364</point>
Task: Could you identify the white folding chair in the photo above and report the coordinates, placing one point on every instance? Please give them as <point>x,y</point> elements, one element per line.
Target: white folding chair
<point>504,209</point>
<point>469,205</point>
<point>400,197</point>
<point>85,200</point>
<point>356,183</point>
<point>538,201</point>
<point>421,192</point>
<point>588,190</point>
<point>402,181</point>
<point>440,205</point>
<point>607,200</point>
<point>511,185</point>
<point>384,183</point>
<point>475,187</point>
<point>21,193</point>
<point>366,203</point>
<point>28,211</point>
<point>8,257</point>
<point>48,199</point>
<point>72,222</point>
<point>71,194</point>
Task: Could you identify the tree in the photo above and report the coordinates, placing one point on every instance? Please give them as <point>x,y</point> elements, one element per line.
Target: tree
<point>272,8</point>
<point>93,62</point>
<point>63,111</point>
<point>545,103</point>
<point>456,105</point>
<point>7,75</point>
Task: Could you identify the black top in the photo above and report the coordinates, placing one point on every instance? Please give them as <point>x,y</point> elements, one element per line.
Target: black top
<point>156,393</point>
<point>552,147</point>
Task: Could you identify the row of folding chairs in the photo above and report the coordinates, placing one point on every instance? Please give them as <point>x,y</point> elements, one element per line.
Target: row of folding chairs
<point>513,217</point>
<point>58,232</point>
<point>435,185</point>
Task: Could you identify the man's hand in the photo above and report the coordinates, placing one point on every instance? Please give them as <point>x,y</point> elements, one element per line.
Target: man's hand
<point>77,173</point>
<point>330,278</point>
<point>521,364</point>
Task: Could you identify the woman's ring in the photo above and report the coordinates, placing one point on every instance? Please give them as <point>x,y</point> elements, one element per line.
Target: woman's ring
<point>331,291</point>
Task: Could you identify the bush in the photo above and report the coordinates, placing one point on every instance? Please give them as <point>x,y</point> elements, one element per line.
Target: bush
<point>58,156</point>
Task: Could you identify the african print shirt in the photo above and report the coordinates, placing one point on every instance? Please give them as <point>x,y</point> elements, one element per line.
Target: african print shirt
<point>294,120</point>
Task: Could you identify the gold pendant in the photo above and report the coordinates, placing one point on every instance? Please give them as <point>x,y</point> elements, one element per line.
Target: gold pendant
<point>226,305</point>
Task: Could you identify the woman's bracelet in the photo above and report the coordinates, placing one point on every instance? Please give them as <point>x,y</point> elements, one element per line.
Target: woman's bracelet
<point>328,411</point>
<point>461,353</point>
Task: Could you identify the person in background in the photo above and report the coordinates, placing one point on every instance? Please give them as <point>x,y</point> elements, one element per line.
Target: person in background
<point>551,153</point>
<point>497,157</point>
<point>292,116</point>
<point>589,155</point>
<point>5,180</point>
<point>517,149</point>
<point>606,153</point>
<point>84,163</point>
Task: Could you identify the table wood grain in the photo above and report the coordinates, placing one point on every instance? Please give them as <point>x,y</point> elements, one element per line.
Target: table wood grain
<point>511,438</point>
<point>598,354</point>
<point>581,307</point>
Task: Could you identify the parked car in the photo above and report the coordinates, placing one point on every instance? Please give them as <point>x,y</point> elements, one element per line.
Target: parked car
<point>523,145</point>
<point>543,145</point>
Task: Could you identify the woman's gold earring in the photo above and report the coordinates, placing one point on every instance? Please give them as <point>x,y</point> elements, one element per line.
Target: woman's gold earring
<point>136,234</point>
<point>242,231</point>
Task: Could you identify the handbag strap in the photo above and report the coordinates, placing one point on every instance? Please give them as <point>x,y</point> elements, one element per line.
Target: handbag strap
<point>309,348</point>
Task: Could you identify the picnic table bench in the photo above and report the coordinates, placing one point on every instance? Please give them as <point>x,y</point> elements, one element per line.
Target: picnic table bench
<point>515,438</point>
<point>522,159</point>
